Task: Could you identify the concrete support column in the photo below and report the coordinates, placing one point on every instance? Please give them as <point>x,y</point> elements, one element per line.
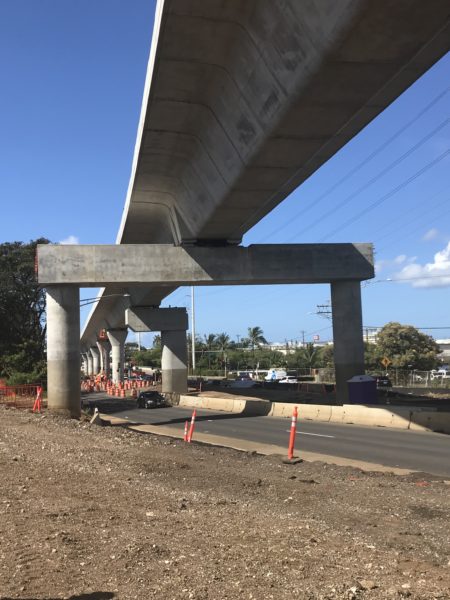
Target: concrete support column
<point>347,334</point>
<point>63,350</point>
<point>100,355</point>
<point>117,339</point>
<point>174,361</point>
<point>95,360</point>
<point>84,363</point>
<point>90,364</point>
<point>105,349</point>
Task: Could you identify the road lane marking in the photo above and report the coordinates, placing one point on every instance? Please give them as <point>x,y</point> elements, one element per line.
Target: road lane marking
<point>315,434</point>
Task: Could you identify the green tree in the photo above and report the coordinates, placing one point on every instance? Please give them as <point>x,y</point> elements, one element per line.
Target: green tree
<point>407,347</point>
<point>255,339</point>
<point>327,357</point>
<point>210,341</point>
<point>22,314</point>
<point>310,356</point>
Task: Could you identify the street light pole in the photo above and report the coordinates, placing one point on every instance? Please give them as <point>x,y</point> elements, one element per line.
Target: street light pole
<point>193,328</point>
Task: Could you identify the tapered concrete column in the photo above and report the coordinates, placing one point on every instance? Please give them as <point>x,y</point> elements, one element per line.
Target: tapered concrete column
<point>63,350</point>
<point>106,358</point>
<point>90,365</point>
<point>95,360</point>
<point>347,334</point>
<point>174,361</point>
<point>84,362</point>
<point>100,355</point>
<point>117,339</point>
<point>105,348</point>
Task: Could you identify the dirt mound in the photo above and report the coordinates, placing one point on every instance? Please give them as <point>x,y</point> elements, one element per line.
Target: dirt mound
<point>94,512</point>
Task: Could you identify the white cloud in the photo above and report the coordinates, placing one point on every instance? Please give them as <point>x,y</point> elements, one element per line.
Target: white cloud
<point>430,235</point>
<point>398,260</point>
<point>429,275</point>
<point>71,239</point>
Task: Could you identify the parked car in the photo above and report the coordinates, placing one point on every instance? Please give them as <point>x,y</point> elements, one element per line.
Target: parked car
<point>383,381</point>
<point>289,379</point>
<point>150,400</point>
<point>439,374</point>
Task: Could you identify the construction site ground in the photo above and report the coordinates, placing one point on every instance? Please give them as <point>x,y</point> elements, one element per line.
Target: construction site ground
<point>91,512</point>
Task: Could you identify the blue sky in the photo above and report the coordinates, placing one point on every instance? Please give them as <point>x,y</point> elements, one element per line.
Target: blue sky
<point>72,83</point>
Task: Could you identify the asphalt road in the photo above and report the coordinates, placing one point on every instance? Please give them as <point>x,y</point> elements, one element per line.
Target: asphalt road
<point>420,451</point>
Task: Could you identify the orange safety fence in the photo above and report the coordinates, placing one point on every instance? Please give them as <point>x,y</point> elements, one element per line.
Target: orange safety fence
<point>18,396</point>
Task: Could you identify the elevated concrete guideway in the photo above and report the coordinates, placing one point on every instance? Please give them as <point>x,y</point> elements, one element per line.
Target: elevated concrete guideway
<point>244,100</point>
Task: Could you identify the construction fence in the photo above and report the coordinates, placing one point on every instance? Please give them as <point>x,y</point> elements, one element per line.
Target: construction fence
<point>18,396</point>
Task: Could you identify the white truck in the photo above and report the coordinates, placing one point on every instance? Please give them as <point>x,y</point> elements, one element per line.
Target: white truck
<point>275,375</point>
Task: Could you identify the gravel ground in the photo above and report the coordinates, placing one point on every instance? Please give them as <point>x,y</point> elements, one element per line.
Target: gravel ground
<point>93,512</point>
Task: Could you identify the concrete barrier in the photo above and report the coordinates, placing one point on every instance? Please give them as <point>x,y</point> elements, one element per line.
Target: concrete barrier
<point>430,421</point>
<point>374,416</point>
<point>231,405</point>
<point>402,417</point>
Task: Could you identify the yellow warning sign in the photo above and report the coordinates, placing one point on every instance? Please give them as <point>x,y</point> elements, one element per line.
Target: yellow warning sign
<point>385,361</point>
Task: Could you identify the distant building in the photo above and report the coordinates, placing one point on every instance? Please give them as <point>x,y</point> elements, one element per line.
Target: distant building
<point>444,346</point>
<point>290,347</point>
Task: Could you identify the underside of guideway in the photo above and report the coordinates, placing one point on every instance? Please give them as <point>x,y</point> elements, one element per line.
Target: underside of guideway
<point>244,100</point>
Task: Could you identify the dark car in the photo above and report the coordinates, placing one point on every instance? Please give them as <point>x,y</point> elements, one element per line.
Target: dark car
<point>150,400</point>
<point>383,381</point>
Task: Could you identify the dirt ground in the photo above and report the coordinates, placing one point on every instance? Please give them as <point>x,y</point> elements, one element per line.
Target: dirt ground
<point>89,512</point>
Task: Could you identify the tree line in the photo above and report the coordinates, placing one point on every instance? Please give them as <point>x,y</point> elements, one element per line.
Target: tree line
<point>403,346</point>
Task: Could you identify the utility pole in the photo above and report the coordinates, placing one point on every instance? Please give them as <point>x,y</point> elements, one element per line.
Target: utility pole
<point>324,310</point>
<point>303,337</point>
<point>193,329</point>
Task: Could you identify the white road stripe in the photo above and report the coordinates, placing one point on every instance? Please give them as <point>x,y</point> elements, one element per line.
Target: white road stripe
<point>316,434</point>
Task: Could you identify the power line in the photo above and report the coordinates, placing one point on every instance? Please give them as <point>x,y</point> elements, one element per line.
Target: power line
<point>427,210</point>
<point>396,279</point>
<point>359,166</point>
<point>385,197</point>
<point>374,179</point>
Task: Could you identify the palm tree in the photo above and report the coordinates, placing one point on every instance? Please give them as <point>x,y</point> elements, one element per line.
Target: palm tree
<point>309,355</point>
<point>222,341</point>
<point>209,343</point>
<point>255,338</point>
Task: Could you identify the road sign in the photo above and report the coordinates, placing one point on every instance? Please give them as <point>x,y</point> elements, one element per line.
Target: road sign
<point>385,361</point>
<point>316,338</point>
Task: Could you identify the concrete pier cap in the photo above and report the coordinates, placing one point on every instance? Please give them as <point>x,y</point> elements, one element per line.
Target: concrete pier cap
<point>172,323</point>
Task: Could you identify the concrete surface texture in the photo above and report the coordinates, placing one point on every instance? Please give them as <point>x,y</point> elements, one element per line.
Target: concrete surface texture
<point>156,319</point>
<point>244,100</point>
<point>347,334</point>
<point>174,361</point>
<point>63,350</point>
<point>135,264</point>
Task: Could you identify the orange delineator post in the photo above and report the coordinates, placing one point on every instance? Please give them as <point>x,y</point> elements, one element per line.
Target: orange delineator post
<point>191,429</point>
<point>292,434</point>
<point>186,424</point>
<point>37,407</point>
